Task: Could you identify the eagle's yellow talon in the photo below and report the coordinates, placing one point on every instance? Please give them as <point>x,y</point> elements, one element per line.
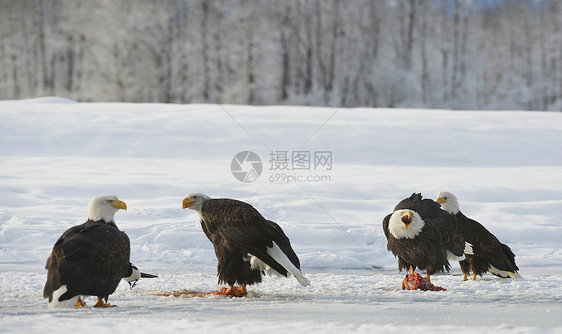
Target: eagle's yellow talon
<point>100,303</point>
<point>79,303</point>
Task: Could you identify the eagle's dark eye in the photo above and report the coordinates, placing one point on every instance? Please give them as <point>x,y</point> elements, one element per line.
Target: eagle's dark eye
<point>194,196</point>
<point>109,201</point>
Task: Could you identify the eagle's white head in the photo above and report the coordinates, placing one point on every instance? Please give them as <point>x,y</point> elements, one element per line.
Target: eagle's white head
<point>405,224</point>
<point>194,201</point>
<point>104,207</point>
<point>448,202</point>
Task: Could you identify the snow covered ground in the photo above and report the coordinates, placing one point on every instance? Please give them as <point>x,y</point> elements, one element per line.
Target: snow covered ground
<point>505,168</point>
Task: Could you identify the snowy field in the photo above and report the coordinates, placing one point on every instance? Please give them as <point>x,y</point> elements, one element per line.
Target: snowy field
<point>505,168</point>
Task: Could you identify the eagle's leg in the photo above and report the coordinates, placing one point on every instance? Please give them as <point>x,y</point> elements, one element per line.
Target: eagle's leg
<point>79,303</point>
<point>466,268</point>
<point>427,277</point>
<point>410,272</point>
<point>474,277</point>
<point>230,291</point>
<point>100,303</point>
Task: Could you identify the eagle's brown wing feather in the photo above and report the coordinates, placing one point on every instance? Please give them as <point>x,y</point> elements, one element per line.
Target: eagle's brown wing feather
<point>90,259</point>
<point>486,245</point>
<point>235,224</point>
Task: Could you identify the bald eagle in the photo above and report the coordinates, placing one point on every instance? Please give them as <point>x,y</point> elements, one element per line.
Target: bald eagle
<point>422,235</point>
<point>89,259</point>
<point>490,255</point>
<point>246,244</point>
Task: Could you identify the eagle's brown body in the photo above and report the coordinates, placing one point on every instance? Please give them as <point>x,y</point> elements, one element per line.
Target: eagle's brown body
<point>490,255</point>
<point>428,249</point>
<point>89,259</point>
<point>236,230</point>
<point>488,250</point>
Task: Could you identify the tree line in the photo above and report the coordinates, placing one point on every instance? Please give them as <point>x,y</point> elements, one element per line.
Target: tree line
<point>455,54</point>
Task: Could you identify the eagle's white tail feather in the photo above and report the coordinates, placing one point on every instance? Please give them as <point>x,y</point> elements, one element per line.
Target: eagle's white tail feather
<point>468,248</point>
<point>503,273</point>
<point>256,263</point>
<point>514,274</point>
<point>277,254</point>
<point>55,303</point>
<point>453,257</point>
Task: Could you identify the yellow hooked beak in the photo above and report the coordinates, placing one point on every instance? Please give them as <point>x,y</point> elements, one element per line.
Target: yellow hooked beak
<point>119,205</point>
<point>441,200</point>
<point>407,218</point>
<point>186,203</point>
